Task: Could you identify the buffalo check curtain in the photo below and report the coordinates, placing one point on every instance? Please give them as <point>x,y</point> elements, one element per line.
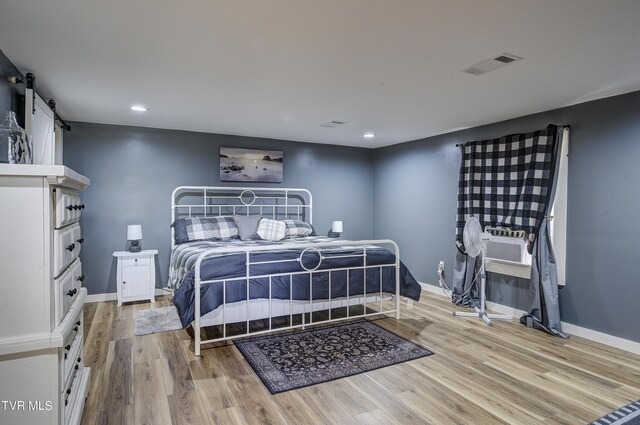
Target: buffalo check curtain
<point>510,182</point>
<point>507,181</point>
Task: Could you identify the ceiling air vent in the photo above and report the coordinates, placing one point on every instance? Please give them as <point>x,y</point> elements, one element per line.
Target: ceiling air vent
<point>332,124</point>
<point>491,64</point>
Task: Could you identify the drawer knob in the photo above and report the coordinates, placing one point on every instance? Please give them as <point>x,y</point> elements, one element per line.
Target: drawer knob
<point>80,240</point>
<point>71,247</point>
<point>68,347</point>
<point>123,282</point>
<point>69,391</point>
<point>78,322</point>
<point>79,359</point>
<point>75,329</point>
<point>76,368</point>
<point>72,292</point>
<point>76,207</point>
<point>70,207</point>
<point>82,206</point>
<point>80,278</point>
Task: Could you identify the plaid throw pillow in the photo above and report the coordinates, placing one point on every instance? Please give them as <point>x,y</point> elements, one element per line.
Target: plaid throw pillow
<point>199,229</point>
<point>297,229</point>
<point>271,230</point>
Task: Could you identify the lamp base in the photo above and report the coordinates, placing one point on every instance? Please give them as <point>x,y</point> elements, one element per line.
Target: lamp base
<point>135,246</point>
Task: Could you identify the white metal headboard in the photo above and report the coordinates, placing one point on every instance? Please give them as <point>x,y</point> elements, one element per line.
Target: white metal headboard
<point>214,201</point>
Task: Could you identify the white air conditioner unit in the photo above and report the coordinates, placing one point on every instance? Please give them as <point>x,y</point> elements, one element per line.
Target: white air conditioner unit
<point>507,252</point>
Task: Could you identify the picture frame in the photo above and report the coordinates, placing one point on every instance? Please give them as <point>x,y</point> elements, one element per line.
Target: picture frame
<point>251,165</point>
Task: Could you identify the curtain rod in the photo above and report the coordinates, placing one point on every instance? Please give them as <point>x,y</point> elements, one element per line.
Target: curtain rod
<point>566,126</point>
<point>30,83</point>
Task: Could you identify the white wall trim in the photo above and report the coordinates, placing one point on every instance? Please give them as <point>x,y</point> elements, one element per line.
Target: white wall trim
<point>579,331</point>
<point>112,296</point>
<point>603,338</point>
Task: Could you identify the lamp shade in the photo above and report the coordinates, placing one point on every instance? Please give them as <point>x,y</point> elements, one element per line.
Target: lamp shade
<point>336,227</point>
<point>134,232</point>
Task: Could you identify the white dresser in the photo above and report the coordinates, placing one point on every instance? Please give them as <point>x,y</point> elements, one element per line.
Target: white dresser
<point>43,379</point>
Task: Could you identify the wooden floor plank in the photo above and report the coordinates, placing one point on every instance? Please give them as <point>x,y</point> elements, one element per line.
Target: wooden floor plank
<point>506,374</point>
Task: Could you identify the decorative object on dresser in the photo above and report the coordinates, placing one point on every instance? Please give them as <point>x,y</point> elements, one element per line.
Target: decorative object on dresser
<point>336,228</point>
<point>292,360</point>
<point>134,235</point>
<point>136,275</point>
<point>250,165</point>
<point>41,294</point>
<point>16,146</point>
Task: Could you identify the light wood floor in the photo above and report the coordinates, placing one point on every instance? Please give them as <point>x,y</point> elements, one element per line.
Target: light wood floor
<point>507,374</point>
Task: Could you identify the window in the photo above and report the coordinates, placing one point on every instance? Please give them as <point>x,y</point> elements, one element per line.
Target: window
<point>558,218</point>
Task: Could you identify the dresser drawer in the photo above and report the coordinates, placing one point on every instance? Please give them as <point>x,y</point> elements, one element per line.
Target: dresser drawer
<point>67,243</point>
<point>76,329</point>
<point>67,207</point>
<point>72,358</point>
<point>66,287</point>
<point>64,294</point>
<point>73,403</point>
<point>69,392</point>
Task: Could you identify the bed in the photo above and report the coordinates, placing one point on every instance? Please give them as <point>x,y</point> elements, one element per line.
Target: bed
<point>249,287</point>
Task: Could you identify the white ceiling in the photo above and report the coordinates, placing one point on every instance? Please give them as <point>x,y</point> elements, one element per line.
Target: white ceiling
<point>280,68</point>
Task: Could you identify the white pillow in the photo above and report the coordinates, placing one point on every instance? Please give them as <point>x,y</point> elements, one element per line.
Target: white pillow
<point>297,228</point>
<point>271,230</point>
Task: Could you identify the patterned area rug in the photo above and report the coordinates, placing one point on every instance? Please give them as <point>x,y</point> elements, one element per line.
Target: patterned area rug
<point>156,320</point>
<point>627,415</point>
<point>298,359</point>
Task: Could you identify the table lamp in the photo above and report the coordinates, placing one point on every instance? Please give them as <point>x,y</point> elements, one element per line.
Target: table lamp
<point>134,234</point>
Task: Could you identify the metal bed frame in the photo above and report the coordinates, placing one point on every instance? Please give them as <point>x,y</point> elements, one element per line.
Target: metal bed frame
<point>279,203</point>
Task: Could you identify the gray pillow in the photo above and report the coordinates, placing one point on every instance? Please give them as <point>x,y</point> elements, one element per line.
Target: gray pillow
<point>247,225</point>
<point>180,231</point>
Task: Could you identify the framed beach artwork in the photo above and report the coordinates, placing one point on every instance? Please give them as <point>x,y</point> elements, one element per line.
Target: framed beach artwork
<point>250,165</point>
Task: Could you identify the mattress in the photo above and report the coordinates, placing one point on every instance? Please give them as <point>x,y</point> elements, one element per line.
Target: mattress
<point>280,269</point>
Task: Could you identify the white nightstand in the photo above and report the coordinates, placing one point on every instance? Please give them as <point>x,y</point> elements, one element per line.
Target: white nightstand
<point>136,276</point>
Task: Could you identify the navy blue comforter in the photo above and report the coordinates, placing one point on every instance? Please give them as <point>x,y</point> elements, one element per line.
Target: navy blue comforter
<point>233,266</point>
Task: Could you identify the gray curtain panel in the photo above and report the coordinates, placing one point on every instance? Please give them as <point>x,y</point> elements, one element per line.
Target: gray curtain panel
<point>510,182</point>
<point>464,272</point>
<point>544,313</point>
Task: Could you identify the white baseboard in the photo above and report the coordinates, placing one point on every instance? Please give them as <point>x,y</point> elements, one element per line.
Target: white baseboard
<point>603,338</point>
<point>600,337</point>
<point>112,296</point>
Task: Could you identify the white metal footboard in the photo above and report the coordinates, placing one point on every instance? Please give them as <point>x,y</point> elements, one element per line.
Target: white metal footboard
<point>373,300</point>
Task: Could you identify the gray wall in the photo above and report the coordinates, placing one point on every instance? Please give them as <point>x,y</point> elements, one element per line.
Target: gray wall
<point>415,204</point>
<point>134,170</point>
<point>11,95</point>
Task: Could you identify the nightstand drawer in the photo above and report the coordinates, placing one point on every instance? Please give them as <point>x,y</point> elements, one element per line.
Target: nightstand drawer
<point>136,262</point>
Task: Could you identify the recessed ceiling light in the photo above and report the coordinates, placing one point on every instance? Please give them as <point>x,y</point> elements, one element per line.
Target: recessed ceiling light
<point>138,108</point>
<point>368,135</point>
